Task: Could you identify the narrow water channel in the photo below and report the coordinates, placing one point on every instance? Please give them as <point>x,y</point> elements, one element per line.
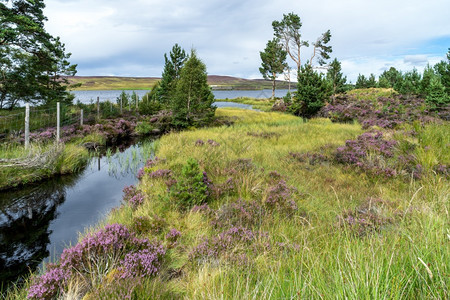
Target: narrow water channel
<point>38,222</point>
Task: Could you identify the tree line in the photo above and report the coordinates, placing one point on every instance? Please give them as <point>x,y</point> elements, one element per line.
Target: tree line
<point>183,90</point>
<point>314,88</point>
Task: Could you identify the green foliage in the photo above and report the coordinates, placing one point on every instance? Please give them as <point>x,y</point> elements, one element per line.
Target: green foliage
<point>273,61</point>
<point>428,74</point>
<point>312,93</point>
<point>171,73</point>
<point>443,70</point>
<point>409,84</point>
<point>288,32</point>
<point>192,103</point>
<point>335,77</point>
<point>149,104</point>
<point>123,100</point>
<point>191,188</point>
<point>390,77</point>
<point>361,82</point>
<point>143,128</point>
<point>437,97</point>
<point>32,62</point>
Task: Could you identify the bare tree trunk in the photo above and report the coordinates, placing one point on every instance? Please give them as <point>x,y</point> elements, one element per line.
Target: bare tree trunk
<point>273,85</point>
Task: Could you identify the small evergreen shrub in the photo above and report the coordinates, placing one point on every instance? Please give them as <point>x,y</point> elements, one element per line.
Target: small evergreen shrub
<point>193,187</point>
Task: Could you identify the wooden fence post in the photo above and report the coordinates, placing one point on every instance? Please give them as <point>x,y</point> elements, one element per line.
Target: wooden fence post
<point>98,108</point>
<point>58,121</point>
<point>81,117</point>
<point>27,125</point>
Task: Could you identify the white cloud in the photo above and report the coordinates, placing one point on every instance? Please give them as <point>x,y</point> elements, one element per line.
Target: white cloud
<point>130,38</point>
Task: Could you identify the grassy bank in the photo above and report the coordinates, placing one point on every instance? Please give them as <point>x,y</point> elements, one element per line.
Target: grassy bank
<point>259,104</point>
<point>284,219</point>
<point>41,161</point>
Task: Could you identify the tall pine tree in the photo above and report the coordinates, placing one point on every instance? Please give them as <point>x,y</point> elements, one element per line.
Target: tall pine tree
<point>193,97</point>
<point>32,61</point>
<point>335,77</point>
<point>273,62</point>
<point>170,75</point>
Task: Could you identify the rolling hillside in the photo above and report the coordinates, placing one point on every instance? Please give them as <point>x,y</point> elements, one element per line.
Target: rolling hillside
<point>144,83</point>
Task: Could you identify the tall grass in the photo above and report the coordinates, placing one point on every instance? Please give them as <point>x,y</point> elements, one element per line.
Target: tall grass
<point>314,253</point>
<point>56,159</point>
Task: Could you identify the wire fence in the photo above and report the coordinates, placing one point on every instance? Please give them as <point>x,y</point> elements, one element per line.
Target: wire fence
<point>13,124</point>
<point>40,119</point>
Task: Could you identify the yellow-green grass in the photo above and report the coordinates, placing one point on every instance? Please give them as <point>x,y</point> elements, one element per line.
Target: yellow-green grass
<point>145,83</point>
<point>58,160</point>
<point>113,83</point>
<point>260,104</point>
<point>407,258</point>
<point>372,94</point>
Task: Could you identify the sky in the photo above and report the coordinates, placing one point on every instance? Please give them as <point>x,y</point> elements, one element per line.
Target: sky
<point>129,38</point>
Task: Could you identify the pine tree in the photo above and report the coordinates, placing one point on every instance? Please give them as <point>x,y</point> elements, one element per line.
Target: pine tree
<point>443,70</point>
<point>288,32</point>
<point>273,62</point>
<point>170,75</point>
<point>312,92</point>
<point>392,76</point>
<point>32,62</point>
<point>193,98</point>
<point>428,74</point>
<point>371,82</point>
<point>335,77</point>
<point>361,82</point>
<point>410,84</point>
<point>437,97</point>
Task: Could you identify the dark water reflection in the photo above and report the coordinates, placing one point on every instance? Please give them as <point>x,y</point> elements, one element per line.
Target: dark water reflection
<point>37,222</point>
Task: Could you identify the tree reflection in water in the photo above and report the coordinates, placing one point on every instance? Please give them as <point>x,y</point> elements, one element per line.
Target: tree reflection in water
<point>25,217</point>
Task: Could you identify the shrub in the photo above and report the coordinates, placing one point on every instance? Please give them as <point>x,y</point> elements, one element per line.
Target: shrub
<point>193,187</point>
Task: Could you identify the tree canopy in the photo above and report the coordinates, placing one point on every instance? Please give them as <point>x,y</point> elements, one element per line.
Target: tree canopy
<point>288,32</point>
<point>273,61</point>
<point>193,98</point>
<point>32,62</point>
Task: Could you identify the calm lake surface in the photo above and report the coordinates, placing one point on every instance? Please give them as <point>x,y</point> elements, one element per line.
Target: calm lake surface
<point>38,222</point>
<point>88,96</point>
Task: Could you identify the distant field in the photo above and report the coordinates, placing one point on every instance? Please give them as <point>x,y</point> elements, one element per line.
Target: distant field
<point>145,83</point>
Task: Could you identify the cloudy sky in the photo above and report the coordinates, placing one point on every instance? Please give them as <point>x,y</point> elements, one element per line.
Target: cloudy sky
<point>129,38</point>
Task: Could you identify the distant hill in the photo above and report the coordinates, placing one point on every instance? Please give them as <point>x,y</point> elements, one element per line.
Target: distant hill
<point>144,83</point>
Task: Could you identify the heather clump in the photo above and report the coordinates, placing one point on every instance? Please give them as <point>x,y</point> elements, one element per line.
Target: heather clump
<point>144,262</point>
<point>312,158</point>
<point>238,213</point>
<point>231,244</point>
<point>112,130</point>
<point>279,196</point>
<point>384,112</point>
<point>112,248</point>
<point>228,187</point>
<point>370,153</point>
<point>172,237</point>
<point>148,167</point>
<point>49,284</point>
<point>367,218</point>
<point>133,196</point>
